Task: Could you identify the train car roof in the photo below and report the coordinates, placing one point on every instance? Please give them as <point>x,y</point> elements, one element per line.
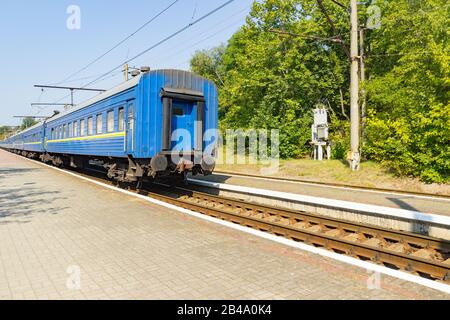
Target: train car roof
<point>102,96</point>
<point>37,125</point>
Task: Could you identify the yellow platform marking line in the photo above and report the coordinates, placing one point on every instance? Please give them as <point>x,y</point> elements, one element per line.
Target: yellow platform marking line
<point>87,138</point>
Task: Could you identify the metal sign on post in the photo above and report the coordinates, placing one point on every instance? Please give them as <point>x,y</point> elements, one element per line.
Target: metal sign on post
<point>319,129</point>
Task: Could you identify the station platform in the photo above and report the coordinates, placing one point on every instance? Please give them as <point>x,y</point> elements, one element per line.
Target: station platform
<point>424,204</point>
<point>56,228</point>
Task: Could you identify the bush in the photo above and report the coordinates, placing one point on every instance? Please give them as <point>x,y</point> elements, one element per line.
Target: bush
<point>339,137</point>
<point>416,145</point>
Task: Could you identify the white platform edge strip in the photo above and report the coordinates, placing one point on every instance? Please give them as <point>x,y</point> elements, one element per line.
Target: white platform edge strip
<point>340,204</point>
<point>335,187</point>
<point>322,252</point>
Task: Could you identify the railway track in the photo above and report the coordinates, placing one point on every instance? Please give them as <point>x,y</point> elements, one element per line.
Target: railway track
<point>417,254</point>
<point>338,185</point>
<point>421,255</point>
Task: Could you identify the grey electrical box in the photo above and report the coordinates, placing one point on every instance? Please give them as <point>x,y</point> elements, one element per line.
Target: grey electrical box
<point>322,133</point>
<point>320,117</point>
<point>319,132</point>
<point>320,126</point>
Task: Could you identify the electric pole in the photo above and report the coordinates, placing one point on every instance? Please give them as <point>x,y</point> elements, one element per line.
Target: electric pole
<point>354,156</point>
<point>126,71</point>
<point>72,89</point>
<point>363,90</point>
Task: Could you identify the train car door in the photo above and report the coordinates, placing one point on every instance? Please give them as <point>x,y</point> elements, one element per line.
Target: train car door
<point>183,122</point>
<point>130,128</point>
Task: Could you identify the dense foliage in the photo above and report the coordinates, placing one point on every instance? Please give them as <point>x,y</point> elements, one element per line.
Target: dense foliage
<point>269,79</point>
<point>409,89</point>
<point>27,123</point>
<point>4,131</point>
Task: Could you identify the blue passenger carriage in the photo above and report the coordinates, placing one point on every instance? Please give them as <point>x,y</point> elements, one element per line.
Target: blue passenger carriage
<point>160,122</point>
<point>28,142</point>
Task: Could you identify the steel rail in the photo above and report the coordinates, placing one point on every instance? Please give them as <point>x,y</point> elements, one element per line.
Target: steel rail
<point>418,254</point>
<point>334,184</point>
<point>422,255</point>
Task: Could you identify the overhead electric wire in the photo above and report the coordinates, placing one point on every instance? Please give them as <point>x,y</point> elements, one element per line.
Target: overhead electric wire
<point>66,96</point>
<point>164,40</point>
<point>198,42</point>
<point>336,38</point>
<point>74,80</point>
<point>191,45</point>
<point>333,27</point>
<point>179,47</point>
<point>205,39</point>
<point>339,4</point>
<point>201,41</point>
<point>159,43</point>
<point>121,42</point>
<point>369,55</point>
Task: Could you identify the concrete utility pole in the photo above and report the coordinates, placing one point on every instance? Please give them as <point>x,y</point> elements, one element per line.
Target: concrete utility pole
<point>363,91</point>
<point>354,156</point>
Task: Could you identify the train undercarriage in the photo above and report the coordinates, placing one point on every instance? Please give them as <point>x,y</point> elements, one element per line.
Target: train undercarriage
<point>128,169</point>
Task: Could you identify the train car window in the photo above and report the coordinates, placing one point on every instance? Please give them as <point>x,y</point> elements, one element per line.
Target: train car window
<point>178,112</point>
<point>99,124</point>
<point>121,119</point>
<point>75,129</point>
<point>70,130</point>
<point>90,126</point>
<point>52,136</point>
<point>64,131</point>
<point>82,126</point>
<point>110,121</point>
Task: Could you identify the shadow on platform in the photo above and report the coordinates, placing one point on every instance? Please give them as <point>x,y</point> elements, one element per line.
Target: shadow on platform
<point>16,171</point>
<point>18,203</point>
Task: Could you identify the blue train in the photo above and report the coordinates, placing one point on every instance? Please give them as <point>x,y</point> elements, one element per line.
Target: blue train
<point>161,122</point>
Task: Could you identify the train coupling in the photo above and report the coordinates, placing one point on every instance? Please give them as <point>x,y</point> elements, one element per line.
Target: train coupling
<point>184,165</point>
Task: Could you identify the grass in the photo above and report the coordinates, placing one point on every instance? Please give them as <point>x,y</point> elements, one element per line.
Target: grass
<point>371,174</point>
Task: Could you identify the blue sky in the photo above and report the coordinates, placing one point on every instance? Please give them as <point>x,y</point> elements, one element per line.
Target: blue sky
<point>38,48</point>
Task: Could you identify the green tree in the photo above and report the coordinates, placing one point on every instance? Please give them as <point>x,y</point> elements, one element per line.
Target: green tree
<point>209,63</point>
<point>409,89</point>
<point>273,81</point>
<point>3,132</point>
<point>27,122</point>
